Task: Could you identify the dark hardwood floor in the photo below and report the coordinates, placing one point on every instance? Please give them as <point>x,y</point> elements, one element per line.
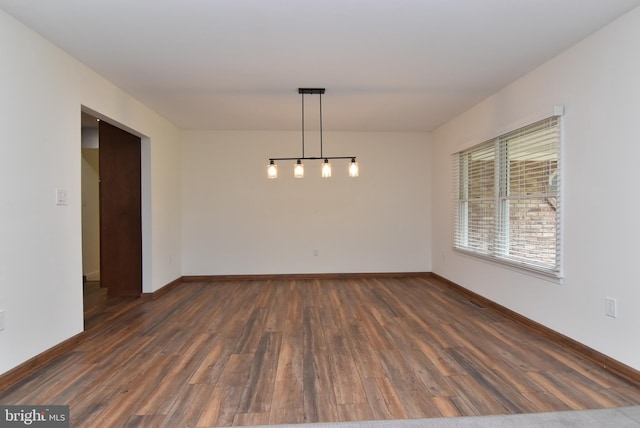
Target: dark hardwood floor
<point>295,351</point>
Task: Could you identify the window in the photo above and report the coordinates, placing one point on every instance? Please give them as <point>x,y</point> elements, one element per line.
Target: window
<point>508,198</point>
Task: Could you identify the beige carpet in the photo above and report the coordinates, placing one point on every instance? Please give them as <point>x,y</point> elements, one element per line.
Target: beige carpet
<point>625,417</point>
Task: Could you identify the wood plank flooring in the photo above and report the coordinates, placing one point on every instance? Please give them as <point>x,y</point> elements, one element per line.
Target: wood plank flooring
<point>295,351</point>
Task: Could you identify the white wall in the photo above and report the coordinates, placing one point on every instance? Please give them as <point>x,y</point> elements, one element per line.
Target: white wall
<point>43,90</point>
<point>236,221</point>
<point>598,81</point>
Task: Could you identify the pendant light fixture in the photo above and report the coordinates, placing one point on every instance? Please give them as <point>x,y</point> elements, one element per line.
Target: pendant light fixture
<point>272,170</point>
<point>298,169</point>
<point>354,170</point>
<point>326,169</point>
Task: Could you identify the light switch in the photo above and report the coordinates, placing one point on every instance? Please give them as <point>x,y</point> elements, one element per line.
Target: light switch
<point>61,197</point>
<point>611,307</point>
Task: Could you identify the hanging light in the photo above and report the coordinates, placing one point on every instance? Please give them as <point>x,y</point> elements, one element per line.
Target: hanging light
<point>354,171</point>
<point>272,169</point>
<point>298,169</point>
<point>326,169</point>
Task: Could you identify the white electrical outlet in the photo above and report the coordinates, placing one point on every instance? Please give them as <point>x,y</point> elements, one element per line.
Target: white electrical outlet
<point>1,319</point>
<point>611,307</point>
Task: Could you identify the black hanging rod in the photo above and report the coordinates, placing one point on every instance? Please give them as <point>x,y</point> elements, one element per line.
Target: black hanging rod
<point>353,158</point>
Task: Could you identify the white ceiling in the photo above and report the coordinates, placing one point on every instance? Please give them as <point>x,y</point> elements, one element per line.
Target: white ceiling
<point>387,65</point>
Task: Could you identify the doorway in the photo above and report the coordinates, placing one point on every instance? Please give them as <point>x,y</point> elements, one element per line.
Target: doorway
<point>111,211</point>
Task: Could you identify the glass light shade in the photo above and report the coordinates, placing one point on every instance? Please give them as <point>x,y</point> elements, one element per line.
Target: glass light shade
<point>272,170</point>
<point>354,171</point>
<point>326,169</point>
<point>298,170</point>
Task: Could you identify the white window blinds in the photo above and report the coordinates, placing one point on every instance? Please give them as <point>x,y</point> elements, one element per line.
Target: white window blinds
<point>508,198</point>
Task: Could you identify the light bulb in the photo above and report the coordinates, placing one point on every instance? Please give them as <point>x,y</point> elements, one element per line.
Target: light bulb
<point>298,170</point>
<point>326,169</point>
<point>272,170</point>
<point>353,168</point>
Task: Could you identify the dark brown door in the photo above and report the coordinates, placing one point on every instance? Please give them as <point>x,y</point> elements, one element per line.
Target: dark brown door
<point>120,212</point>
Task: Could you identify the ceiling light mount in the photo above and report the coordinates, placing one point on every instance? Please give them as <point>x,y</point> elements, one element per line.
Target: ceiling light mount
<point>272,168</point>
<point>311,91</point>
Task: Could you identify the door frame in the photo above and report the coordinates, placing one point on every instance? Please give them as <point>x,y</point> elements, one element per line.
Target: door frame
<point>145,192</point>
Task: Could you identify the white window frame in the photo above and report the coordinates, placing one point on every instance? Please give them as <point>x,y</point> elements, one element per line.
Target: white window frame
<point>544,259</point>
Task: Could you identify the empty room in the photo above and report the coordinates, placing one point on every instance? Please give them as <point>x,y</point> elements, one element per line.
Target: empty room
<point>283,212</point>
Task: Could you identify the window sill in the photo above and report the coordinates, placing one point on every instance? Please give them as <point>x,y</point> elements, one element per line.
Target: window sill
<point>554,277</point>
